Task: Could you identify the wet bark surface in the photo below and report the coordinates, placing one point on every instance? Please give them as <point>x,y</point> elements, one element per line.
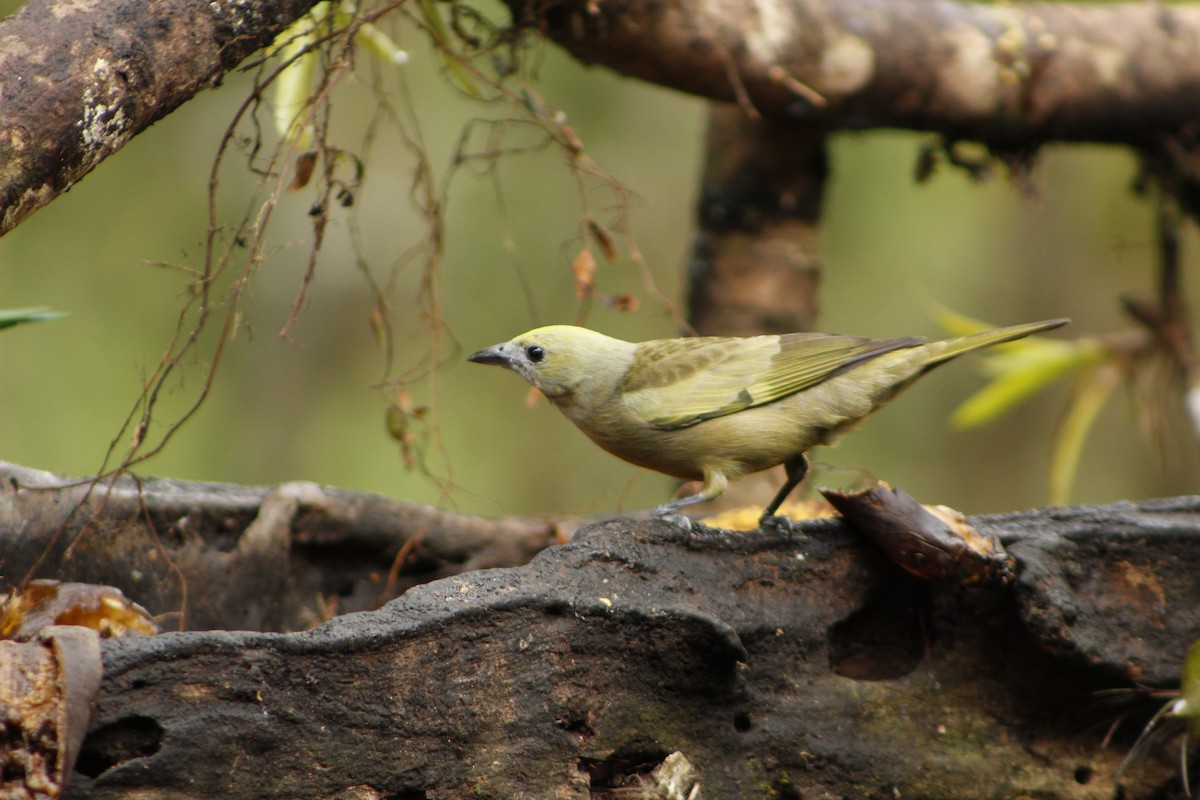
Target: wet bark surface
<point>782,663</point>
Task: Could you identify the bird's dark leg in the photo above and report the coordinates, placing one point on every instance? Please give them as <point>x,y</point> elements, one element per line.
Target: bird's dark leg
<point>796,469</point>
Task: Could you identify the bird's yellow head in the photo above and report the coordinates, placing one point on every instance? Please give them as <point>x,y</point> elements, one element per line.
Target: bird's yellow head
<point>558,359</point>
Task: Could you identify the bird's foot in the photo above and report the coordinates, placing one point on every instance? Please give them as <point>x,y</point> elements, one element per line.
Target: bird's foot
<point>676,519</point>
<point>774,522</point>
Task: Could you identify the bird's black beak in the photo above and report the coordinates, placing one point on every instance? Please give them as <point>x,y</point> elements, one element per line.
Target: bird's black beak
<point>491,355</point>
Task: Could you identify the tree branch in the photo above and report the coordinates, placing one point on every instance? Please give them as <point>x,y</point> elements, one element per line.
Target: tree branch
<point>79,79</point>
<point>757,258</point>
<point>1013,75</point>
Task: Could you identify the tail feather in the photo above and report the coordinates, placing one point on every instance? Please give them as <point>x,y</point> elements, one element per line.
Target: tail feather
<point>947,349</point>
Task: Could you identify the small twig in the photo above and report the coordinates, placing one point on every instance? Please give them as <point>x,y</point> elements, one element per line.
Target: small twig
<point>1167,317</point>
<point>393,576</point>
<point>736,84</point>
<point>1175,330</point>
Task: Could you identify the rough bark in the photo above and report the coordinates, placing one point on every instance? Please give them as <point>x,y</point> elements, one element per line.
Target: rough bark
<point>80,78</point>
<point>756,259</point>
<point>782,664</point>
<point>211,555</point>
<point>1013,75</point>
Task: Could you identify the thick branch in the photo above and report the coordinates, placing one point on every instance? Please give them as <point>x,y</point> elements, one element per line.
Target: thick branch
<point>791,662</point>
<point>756,259</point>
<point>1012,74</point>
<point>780,664</point>
<point>80,79</point>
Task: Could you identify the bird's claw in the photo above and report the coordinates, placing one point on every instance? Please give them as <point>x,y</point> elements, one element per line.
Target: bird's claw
<point>774,522</point>
<point>676,519</point>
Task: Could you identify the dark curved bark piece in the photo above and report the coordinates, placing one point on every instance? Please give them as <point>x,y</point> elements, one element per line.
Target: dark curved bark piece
<point>937,546</point>
<point>790,663</point>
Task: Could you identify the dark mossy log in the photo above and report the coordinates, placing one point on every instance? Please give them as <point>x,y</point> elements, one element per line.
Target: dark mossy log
<point>216,555</point>
<point>780,664</point>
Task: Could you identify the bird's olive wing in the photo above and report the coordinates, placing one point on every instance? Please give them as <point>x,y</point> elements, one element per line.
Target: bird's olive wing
<point>675,383</point>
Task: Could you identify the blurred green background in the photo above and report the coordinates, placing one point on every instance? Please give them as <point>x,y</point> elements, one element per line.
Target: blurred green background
<point>311,409</point>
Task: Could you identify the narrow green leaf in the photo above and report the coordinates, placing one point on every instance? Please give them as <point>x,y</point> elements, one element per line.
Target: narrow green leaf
<point>954,323</point>
<point>16,316</point>
<point>1022,371</point>
<point>1189,689</point>
<point>1091,391</point>
<point>380,45</point>
<point>294,84</point>
<point>441,36</point>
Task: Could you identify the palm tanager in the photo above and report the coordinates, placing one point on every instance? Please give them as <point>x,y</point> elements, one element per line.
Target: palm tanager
<point>717,408</point>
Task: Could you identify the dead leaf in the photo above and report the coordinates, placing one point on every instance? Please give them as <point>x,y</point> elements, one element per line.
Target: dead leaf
<point>603,239</point>
<point>402,416</point>
<point>584,270</point>
<point>624,302</point>
<point>40,604</point>
<point>47,688</point>
<point>305,163</point>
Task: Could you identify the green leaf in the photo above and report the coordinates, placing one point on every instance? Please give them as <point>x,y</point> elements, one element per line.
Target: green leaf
<point>294,84</point>
<point>1092,389</point>
<point>441,37</point>
<point>1026,367</point>
<point>380,45</point>
<point>954,323</point>
<point>15,316</point>
<point>1189,689</point>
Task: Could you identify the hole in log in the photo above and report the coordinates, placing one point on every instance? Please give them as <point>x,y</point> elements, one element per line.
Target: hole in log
<point>578,725</point>
<point>886,638</point>
<point>624,768</point>
<point>786,791</point>
<point>126,739</point>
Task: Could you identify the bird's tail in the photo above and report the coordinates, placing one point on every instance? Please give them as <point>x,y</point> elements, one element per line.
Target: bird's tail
<point>947,349</point>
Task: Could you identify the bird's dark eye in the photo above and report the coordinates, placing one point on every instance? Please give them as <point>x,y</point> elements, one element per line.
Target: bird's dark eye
<point>534,353</point>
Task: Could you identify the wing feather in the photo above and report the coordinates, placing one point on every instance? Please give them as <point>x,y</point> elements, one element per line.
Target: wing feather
<point>676,383</point>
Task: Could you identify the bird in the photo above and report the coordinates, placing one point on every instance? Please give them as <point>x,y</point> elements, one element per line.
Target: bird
<point>715,408</point>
